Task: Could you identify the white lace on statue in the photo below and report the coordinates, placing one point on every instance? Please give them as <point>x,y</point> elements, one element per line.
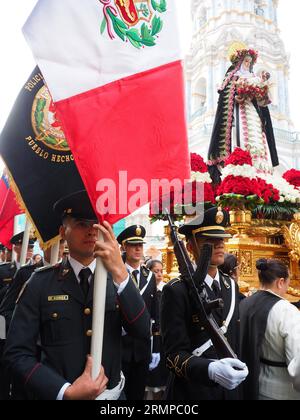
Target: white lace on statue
<point>251,133</point>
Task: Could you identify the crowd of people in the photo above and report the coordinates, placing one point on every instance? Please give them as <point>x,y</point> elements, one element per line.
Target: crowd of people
<point>156,343</point>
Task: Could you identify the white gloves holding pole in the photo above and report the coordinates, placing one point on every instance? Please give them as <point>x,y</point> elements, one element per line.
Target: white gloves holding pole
<point>229,373</point>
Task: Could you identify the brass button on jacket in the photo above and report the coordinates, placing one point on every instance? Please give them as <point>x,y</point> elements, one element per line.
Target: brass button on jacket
<point>87,311</point>
<point>55,315</point>
<point>89,333</point>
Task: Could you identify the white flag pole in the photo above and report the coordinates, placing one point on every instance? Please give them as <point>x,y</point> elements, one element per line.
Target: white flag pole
<point>25,243</point>
<point>54,253</point>
<point>14,255</point>
<point>100,281</point>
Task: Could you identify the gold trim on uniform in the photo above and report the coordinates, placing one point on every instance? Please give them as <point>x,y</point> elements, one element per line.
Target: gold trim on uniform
<point>179,371</point>
<point>208,228</point>
<point>133,238</point>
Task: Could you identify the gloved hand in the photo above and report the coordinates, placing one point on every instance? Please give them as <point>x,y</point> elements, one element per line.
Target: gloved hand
<point>155,361</point>
<point>228,373</point>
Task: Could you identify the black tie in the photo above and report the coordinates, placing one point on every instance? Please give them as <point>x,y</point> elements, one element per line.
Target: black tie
<point>84,280</point>
<point>216,289</point>
<point>143,282</point>
<point>135,274</point>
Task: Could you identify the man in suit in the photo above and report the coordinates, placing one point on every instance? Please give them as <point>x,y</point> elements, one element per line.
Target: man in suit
<point>139,355</point>
<point>56,305</point>
<point>196,374</point>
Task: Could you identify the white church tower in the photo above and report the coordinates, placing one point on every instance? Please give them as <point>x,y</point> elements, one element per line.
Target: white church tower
<point>220,26</point>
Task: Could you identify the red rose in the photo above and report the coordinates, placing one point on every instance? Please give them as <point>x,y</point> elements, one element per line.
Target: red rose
<point>198,164</point>
<point>239,157</point>
<point>292,177</point>
<point>239,185</point>
<point>267,191</point>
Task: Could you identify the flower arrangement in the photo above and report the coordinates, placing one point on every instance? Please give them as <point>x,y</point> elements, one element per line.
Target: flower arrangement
<point>241,54</point>
<point>248,91</point>
<point>292,177</point>
<point>288,203</point>
<point>239,188</point>
<point>197,191</point>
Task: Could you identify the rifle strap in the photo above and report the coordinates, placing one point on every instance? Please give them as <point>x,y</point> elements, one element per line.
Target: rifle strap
<point>202,349</point>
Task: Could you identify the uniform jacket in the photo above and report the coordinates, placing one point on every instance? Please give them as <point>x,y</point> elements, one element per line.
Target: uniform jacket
<point>138,349</point>
<point>182,333</point>
<point>8,303</point>
<point>53,308</point>
<point>7,272</point>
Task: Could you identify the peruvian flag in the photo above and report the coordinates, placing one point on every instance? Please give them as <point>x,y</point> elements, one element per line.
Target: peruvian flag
<point>8,203</point>
<point>115,73</point>
<point>8,210</point>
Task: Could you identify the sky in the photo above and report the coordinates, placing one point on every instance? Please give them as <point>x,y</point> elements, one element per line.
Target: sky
<point>17,61</point>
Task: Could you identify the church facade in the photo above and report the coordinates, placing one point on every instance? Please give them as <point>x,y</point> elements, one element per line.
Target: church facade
<point>219,28</point>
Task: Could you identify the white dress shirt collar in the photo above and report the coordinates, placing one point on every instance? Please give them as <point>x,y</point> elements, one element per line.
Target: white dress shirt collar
<point>131,269</point>
<point>209,280</point>
<point>77,266</point>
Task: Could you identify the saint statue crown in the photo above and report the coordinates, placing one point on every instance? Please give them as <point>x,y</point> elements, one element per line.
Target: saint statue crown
<point>241,54</point>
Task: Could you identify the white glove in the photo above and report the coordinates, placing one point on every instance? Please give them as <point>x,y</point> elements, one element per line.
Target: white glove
<point>229,373</point>
<point>155,361</point>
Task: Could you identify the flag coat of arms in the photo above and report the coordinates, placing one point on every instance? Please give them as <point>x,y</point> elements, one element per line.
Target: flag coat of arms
<point>38,158</point>
<point>114,70</point>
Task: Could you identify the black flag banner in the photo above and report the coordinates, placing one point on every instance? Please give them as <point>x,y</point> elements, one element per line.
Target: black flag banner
<point>36,153</point>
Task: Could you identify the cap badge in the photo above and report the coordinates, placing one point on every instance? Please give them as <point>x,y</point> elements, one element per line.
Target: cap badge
<point>219,216</point>
<point>69,211</point>
<point>138,231</point>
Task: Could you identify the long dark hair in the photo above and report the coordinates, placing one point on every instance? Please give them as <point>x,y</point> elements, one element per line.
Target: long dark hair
<point>271,270</point>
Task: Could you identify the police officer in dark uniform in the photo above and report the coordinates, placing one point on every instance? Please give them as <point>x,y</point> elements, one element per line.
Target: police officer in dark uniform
<point>196,372</point>
<point>2,253</point>
<point>8,269</point>
<point>138,353</point>
<point>56,305</point>
<point>8,303</point>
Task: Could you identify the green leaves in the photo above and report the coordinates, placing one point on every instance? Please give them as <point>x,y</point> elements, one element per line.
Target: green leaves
<point>39,114</point>
<point>103,25</point>
<point>157,25</point>
<point>41,103</point>
<point>138,38</point>
<point>160,7</point>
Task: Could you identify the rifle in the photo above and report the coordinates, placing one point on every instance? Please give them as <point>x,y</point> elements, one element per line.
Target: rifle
<point>199,301</point>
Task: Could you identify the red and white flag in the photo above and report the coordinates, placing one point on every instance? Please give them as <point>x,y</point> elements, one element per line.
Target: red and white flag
<point>114,70</point>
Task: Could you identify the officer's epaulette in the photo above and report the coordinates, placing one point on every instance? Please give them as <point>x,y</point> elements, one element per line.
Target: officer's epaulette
<point>225,275</point>
<point>145,270</point>
<point>174,281</point>
<point>46,268</point>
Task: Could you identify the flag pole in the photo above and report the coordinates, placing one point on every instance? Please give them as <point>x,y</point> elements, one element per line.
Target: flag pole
<point>14,255</point>
<point>100,281</point>
<point>54,253</point>
<point>25,243</point>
